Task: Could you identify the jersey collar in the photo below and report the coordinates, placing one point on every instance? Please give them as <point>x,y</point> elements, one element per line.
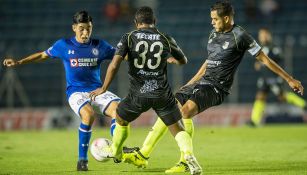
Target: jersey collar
<point>76,43</point>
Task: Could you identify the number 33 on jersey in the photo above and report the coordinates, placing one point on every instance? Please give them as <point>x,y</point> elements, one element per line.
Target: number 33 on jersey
<point>147,51</point>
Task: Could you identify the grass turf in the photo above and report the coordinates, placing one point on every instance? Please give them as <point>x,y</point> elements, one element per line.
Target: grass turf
<point>275,149</point>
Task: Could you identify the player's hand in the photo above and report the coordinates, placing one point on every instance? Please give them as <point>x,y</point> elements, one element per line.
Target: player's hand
<point>10,62</point>
<point>97,92</point>
<point>296,85</point>
<point>172,60</point>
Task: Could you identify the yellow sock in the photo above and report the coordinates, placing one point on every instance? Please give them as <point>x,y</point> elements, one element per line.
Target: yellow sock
<point>189,128</point>
<point>294,99</point>
<point>120,135</point>
<point>257,112</point>
<point>158,130</point>
<point>184,142</point>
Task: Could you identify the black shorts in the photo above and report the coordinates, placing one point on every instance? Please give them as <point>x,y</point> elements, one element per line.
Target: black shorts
<point>274,85</point>
<point>204,95</point>
<point>166,107</point>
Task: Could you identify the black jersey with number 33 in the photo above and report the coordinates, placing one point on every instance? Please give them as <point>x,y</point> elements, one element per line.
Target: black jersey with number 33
<point>148,51</point>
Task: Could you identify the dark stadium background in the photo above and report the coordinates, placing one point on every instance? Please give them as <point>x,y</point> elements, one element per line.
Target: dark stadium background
<point>28,26</point>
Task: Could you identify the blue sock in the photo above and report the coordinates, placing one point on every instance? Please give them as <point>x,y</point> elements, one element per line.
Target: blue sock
<point>85,133</point>
<point>113,125</point>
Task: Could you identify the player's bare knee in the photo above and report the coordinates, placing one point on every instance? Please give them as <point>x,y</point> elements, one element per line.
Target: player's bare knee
<point>261,96</point>
<point>88,116</point>
<point>186,112</point>
<point>111,110</point>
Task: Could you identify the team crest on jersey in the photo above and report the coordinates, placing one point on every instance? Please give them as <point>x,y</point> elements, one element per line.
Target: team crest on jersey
<point>119,44</point>
<point>225,45</point>
<point>95,51</point>
<point>74,62</point>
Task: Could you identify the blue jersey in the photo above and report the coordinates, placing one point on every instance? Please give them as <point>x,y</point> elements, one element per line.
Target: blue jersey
<point>81,62</point>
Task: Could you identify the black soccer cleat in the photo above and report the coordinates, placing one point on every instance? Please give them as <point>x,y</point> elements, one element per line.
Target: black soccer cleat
<point>82,165</point>
<point>250,123</point>
<point>115,160</point>
<point>130,150</point>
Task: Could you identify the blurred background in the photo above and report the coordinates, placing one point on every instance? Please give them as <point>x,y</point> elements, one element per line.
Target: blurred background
<point>33,96</point>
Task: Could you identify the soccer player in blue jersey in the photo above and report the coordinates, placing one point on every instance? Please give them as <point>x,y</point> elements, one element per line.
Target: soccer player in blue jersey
<point>82,57</point>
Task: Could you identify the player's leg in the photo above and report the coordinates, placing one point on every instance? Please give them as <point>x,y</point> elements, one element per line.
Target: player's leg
<point>106,104</point>
<point>139,157</point>
<point>202,97</point>
<point>258,108</point>
<point>111,111</point>
<point>294,99</point>
<point>159,129</point>
<point>263,87</point>
<point>127,111</point>
<point>121,133</point>
<point>155,134</point>
<point>188,110</point>
<point>286,96</point>
<point>85,130</point>
<point>79,103</point>
<point>183,139</point>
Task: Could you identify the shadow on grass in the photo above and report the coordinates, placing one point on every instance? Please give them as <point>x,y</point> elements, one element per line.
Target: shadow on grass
<point>147,170</point>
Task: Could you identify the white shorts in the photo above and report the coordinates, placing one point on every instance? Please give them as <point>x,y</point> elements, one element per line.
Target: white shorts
<point>78,99</point>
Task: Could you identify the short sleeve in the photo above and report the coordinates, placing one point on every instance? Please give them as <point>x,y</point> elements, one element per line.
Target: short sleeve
<point>122,46</point>
<point>176,51</point>
<point>55,50</point>
<point>249,43</point>
<point>109,50</point>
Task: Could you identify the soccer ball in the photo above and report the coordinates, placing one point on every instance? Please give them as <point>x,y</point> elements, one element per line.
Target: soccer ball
<point>100,149</point>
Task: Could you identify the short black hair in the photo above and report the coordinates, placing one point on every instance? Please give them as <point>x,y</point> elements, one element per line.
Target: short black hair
<point>223,8</point>
<point>144,15</point>
<point>82,17</point>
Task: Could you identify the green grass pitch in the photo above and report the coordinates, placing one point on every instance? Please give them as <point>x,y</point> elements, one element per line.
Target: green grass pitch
<point>275,149</point>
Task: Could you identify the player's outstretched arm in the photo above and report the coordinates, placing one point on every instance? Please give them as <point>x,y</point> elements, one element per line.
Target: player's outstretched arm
<point>199,74</point>
<point>111,72</point>
<point>40,56</point>
<point>293,83</point>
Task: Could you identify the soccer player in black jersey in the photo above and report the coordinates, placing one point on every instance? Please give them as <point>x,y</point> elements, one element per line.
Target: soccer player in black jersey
<point>148,52</point>
<point>226,46</point>
<point>270,82</point>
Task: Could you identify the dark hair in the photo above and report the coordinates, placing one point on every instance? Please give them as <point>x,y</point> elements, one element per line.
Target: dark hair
<point>223,8</point>
<point>144,15</point>
<point>82,17</point>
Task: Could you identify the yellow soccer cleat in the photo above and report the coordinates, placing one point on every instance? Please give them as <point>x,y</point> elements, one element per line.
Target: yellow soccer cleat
<point>180,167</point>
<point>135,158</point>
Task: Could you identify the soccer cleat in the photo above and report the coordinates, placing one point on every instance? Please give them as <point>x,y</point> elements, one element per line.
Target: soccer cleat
<point>250,123</point>
<point>136,158</point>
<point>195,168</point>
<point>82,165</point>
<point>108,152</point>
<point>130,150</point>
<point>180,167</point>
